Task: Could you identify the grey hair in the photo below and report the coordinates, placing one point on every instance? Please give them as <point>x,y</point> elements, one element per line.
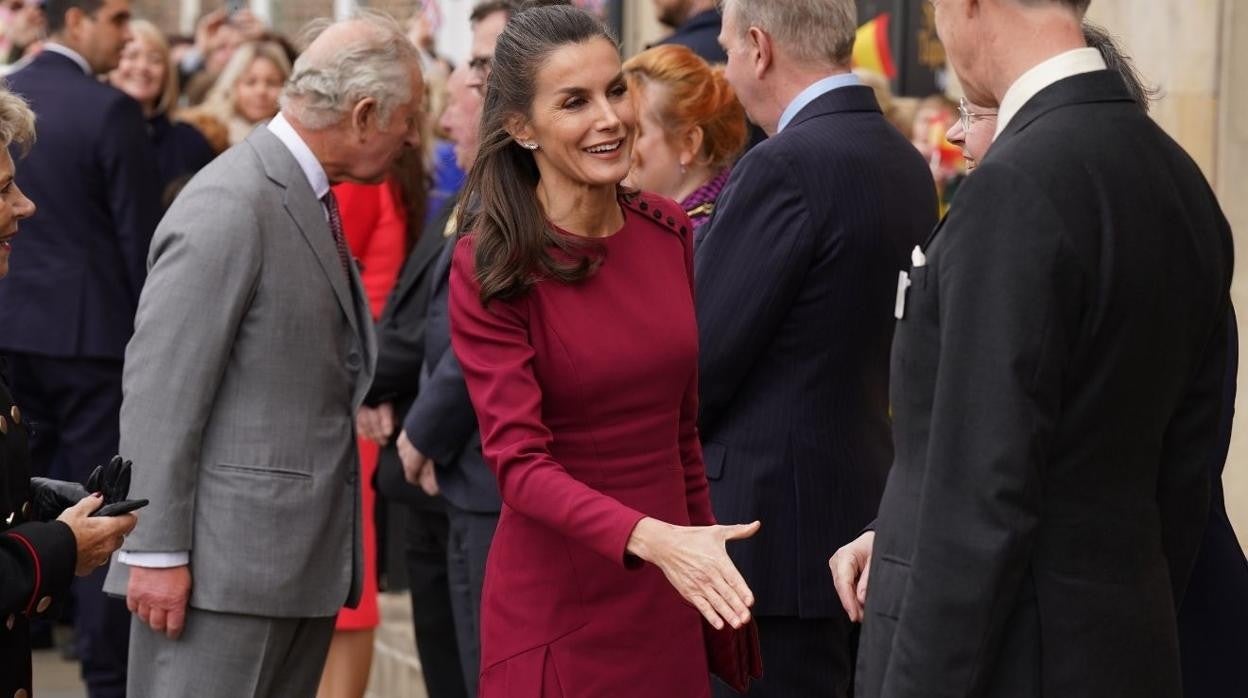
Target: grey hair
<point>324,88</point>
<point>17,121</point>
<point>813,31</point>
<point>1115,60</point>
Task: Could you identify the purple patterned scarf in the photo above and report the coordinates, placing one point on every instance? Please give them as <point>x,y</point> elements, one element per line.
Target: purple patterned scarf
<point>701,203</point>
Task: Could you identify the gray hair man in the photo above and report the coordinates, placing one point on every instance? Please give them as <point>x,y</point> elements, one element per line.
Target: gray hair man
<point>820,217</point>
<point>253,348</point>
<point>1059,365</point>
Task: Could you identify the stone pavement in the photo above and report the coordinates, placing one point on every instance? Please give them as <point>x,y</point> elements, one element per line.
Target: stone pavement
<point>395,674</point>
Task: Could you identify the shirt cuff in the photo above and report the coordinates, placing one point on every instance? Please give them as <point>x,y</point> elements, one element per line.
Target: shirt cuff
<point>155,560</point>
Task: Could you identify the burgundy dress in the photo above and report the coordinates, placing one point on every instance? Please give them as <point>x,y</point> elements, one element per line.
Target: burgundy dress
<point>587,399</point>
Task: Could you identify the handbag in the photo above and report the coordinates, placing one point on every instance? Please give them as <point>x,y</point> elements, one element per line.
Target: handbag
<point>733,655</point>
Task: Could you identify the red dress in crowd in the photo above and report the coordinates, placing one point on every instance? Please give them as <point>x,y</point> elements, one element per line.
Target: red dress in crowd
<point>376,228</point>
<point>587,398</point>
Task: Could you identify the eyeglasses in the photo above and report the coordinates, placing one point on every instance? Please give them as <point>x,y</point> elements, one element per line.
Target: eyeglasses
<point>968,117</point>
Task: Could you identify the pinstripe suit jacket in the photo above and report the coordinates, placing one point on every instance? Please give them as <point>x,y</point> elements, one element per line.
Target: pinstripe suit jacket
<point>796,278</point>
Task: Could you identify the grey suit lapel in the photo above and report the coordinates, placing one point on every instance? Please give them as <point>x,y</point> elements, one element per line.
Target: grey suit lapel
<point>306,211</point>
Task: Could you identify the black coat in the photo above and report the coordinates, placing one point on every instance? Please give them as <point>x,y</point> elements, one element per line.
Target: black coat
<point>700,33</point>
<point>80,264</point>
<point>36,559</point>
<point>1057,388</point>
<point>795,274</point>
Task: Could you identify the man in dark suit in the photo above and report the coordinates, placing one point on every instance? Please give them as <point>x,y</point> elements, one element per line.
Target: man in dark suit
<point>694,23</point>
<point>796,275</point>
<point>68,308</point>
<point>440,443</point>
<point>1058,381</point>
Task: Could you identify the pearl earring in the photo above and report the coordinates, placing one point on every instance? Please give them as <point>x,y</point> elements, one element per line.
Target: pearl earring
<point>529,146</point>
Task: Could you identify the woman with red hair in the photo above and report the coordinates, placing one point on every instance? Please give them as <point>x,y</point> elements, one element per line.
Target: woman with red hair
<point>691,128</point>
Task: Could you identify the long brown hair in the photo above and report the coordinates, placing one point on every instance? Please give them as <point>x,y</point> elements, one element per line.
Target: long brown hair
<point>515,245</point>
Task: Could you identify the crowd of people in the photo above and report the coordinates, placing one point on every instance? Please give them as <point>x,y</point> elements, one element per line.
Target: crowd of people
<point>693,373</point>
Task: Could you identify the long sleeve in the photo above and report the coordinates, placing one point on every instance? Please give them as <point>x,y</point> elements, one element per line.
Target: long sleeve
<point>442,419</point>
<point>1009,307</point>
<point>697,489</point>
<point>129,161</point>
<point>736,320</point>
<point>36,561</point>
<point>496,355</point>
<point>179,353</point>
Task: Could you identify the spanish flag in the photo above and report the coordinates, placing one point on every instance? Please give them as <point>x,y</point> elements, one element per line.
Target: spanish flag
<point>872,50</point>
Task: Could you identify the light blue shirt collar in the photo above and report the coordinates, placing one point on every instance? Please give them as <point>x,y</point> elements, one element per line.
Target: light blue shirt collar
<point>69,53</point>
<point>815,91</point>
<point>311,167</point>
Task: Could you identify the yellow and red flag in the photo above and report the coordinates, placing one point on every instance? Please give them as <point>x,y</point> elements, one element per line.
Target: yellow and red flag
<point>872,49</point>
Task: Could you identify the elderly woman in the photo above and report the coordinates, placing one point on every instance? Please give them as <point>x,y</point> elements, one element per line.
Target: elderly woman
<point>46,532</point>
<point>690,128</point>
<point>607,559</point>
<point>147,73</point>
<point>246,94</point>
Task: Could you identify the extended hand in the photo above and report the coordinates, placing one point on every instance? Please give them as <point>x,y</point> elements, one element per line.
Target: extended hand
<point>851,567</point>
<point>159,597</point>
<point>414,461</point>
<point>376,423</point>
<point>95,537</point>
<point>695,561</point>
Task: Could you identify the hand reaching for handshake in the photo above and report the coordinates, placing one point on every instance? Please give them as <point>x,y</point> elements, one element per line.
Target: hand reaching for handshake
<point>695,561</point>
<point>96,514</point>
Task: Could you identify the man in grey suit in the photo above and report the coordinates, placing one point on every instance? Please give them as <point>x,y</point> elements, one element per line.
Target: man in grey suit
<point>252,352</point>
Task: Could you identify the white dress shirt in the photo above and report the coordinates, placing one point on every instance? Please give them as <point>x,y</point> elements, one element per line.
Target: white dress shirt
<point>1032,82</point>
<point>319,181</point>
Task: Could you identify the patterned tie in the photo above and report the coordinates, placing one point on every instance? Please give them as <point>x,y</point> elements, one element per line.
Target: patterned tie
<point>335,226</point>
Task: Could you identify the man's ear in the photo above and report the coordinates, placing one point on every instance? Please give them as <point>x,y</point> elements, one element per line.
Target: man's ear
<point>761,49</point>
<point>364,117</point>
<point>74,17</point>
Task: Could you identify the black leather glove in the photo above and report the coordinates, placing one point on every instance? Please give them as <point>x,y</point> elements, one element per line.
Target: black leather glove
<point>113,480</point>
<point>48,498</point>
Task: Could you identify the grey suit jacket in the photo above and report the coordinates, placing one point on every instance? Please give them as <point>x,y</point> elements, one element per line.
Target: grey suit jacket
<point>248,362</point>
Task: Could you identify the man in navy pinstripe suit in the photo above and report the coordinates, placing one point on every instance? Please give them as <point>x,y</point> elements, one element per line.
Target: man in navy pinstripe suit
<point>796,280</point>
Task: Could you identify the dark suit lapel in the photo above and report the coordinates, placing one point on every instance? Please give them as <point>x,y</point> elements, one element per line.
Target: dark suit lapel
<point>418,260</point>
<point>308,215</point>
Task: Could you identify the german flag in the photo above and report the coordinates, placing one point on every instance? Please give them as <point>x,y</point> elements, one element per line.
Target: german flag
<point>872,50</point>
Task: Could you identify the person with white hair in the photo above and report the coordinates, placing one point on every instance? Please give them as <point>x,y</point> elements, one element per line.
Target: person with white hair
<point>253,349</point>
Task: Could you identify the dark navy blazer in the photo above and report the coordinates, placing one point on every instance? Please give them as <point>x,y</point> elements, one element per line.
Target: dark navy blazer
<point>80,262</point>
<point>796,278</point>
<point>701,34</point>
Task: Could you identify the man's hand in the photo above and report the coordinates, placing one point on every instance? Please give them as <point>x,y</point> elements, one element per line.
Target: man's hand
<point>429,479</point>
<point>159,597</point>
<point>413,461</point>
<point>206,28</point>
<point>851,567</point>
<point>376,423</point>
<point>95,537</point>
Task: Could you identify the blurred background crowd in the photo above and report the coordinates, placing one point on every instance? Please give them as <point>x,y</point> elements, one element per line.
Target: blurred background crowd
<point>206,73</point>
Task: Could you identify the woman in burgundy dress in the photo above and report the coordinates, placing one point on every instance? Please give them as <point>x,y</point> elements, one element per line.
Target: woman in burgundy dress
<point>572,317</point>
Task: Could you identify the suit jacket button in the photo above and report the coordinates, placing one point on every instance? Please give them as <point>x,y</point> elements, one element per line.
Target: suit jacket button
<point>10,621</point>
<point>353,361</point>
<point>44,604</point>
<point>21,693</point>
<point>16,414</point>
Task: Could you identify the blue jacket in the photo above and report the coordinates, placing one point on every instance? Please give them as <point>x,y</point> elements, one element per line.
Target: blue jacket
<point>80,262</point>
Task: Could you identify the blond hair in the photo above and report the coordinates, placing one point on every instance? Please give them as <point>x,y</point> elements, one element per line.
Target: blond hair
<point>17,121</point>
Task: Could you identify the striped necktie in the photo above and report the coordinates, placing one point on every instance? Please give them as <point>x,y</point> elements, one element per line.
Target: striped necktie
<point>335,226</point>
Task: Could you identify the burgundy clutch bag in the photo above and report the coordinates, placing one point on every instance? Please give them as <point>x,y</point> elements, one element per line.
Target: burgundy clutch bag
<point>733,655</point>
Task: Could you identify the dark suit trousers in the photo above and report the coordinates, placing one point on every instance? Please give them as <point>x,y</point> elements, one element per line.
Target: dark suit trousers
<point>73,407</point>
<point>801,657</point>
<point>436,644</point>
<point>467,547</point>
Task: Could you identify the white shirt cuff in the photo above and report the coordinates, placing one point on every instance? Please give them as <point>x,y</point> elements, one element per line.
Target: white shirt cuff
<point>154,560</point>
